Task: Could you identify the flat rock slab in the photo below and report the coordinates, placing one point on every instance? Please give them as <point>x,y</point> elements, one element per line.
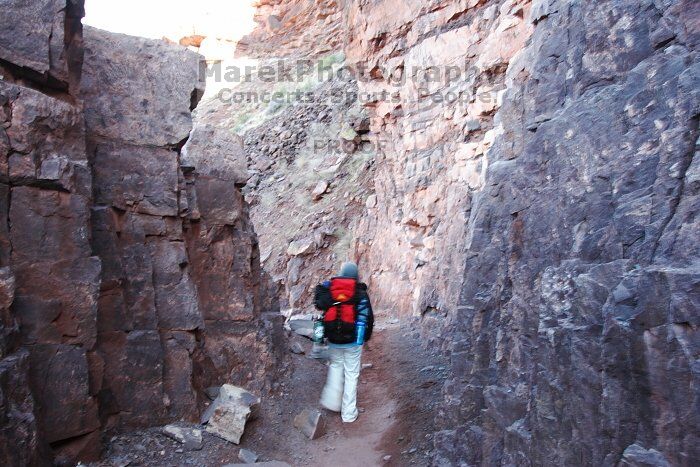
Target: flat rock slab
<point>310,422</point>
<point>191,438</point>
<point>227,415</point>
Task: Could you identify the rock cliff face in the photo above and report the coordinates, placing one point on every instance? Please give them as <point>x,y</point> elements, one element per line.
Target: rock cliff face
<point>129,269</point>
<point>294,28</point>
<point>536,191</point>
<point>550,217</point>
<point>309,163</point>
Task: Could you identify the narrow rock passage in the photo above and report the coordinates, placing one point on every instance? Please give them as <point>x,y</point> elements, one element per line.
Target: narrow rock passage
<point>397,396</point>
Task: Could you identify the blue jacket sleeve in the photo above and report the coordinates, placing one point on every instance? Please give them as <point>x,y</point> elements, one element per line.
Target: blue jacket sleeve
<point>363,310</point>
<point>365,315</point>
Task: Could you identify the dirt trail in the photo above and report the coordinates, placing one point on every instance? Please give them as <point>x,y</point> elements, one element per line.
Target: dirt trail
<point>397,398</point>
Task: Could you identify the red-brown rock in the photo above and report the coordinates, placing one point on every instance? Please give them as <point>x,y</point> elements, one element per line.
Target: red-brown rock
<point>136,178</point>
<point>64,406</point>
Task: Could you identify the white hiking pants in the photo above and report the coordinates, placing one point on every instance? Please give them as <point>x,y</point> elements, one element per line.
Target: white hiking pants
<point>340,392</point>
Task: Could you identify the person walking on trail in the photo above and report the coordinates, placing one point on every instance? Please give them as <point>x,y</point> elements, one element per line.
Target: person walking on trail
<point>347,324</point>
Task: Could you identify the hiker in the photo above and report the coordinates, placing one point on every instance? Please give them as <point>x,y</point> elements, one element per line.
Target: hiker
<point>347,324</point>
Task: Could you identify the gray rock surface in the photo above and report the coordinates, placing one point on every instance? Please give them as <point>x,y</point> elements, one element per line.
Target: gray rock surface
<point>311,423</point>
<point>248,457</point>
<point>227,415</point>
<point>190,438</point>
<point>302,327</point>
<point>561,260</point>
<point>130,103</point>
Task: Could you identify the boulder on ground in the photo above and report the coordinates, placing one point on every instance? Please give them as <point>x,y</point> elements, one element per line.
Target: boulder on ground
<point>212,392</point>
<point>191,438</point>
<point>227,415</point>
<point>310,422</point>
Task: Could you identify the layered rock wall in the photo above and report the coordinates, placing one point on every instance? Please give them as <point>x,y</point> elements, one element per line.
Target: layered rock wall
<point>549,216</point>
<point>304,130</point>
<point>433,76</point>
<point>51,276</point>
<point>129,272</point>
<point>293,28</point>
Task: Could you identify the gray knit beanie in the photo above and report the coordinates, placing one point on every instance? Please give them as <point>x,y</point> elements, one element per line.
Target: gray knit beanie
<point>349,269</point>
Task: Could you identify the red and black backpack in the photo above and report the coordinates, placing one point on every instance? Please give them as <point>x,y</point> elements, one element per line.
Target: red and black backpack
<point>341,312</point>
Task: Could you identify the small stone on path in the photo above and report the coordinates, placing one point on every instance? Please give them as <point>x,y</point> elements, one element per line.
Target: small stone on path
<point>296,348</point>
<point>310,422</point>
<point>191,438</point>
<point>212,392</point>
<point>248,457</point>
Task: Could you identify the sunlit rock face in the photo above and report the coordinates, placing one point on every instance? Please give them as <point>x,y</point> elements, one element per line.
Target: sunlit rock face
<point>548,220</point>
<point>129,273</point>
<point>292,28</point>
<point>433,77</point>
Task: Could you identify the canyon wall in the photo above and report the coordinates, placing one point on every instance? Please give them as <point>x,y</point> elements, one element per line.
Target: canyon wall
<point>129,268</point>
<point>294,28</point>
<point>550,214</point>
<point>309,167</point>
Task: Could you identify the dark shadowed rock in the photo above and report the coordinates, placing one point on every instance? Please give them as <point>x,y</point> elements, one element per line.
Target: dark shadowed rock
<point>48,224</point>
<point>136,178</point>
<point>56,302</point>
<point>175,294</point>
<point>103,278</point>
<point>87,448</point>
<point>19,439</point>
<point>9,327</point>
<point>179,347</point>
<point>64,406</point>
<point>42,37</point>
<point>46,155</point>
<point>215,153</point>
<point>129,96</point>
<point>133,377</point>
